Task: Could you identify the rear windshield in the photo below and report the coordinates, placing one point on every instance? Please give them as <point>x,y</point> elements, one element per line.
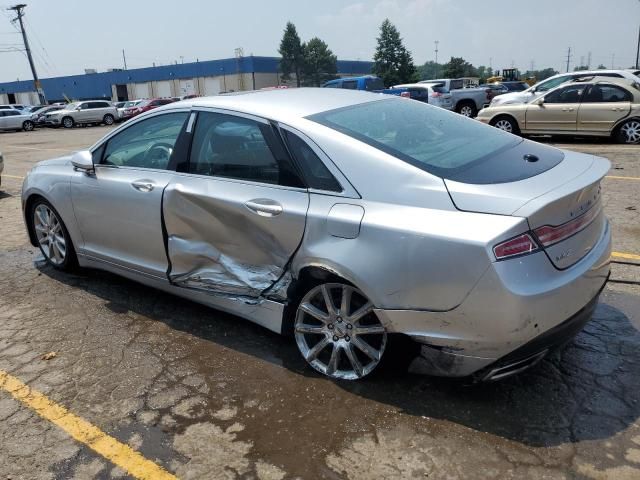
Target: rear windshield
<point>374,84</point>
<point>430,138</point>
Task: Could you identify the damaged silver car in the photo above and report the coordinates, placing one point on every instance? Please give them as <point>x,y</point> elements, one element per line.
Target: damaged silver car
<point>344,219</point>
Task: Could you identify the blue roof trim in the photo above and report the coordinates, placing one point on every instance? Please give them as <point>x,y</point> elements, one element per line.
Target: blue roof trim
<point>99,84</point>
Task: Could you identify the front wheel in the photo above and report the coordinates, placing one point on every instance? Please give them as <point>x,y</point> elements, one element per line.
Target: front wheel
<point>52,236</point>
<point>67,122</point>
<point>27,126</point>
<point>629,132</point>
<point>338,333</point>
<point>108,119</point>
<point>467,109</point>
<point>506,124</point>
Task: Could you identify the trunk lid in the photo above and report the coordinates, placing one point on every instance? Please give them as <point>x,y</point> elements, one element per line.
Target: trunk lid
<point>566,196</point>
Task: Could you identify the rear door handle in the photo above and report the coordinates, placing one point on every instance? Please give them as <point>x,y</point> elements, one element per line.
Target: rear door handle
<point>264,207</point>
<point>143,185</point>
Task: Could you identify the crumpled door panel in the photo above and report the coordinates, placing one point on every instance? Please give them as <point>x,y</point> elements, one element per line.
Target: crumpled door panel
<point>215,243</point>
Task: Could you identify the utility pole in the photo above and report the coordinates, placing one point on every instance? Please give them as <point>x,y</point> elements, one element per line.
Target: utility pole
<point>638,50</point>
<point>568,58</point>
<point>436,65</point>
<point>19,12</point>
<point>124,59</point>
<point>613,60</point>
<point>589,61</point>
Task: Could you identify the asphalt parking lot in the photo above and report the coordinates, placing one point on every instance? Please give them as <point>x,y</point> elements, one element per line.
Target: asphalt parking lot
<point>197,393</point>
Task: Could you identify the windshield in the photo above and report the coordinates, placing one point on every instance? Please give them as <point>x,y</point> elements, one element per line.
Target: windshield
<point>432,139</point>
<point>71,106</point>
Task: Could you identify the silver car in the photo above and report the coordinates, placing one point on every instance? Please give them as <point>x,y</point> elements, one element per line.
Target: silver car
<point>11,119</point>
<point>345,219</point>
<point>78,113</point>
<point>432,93</point>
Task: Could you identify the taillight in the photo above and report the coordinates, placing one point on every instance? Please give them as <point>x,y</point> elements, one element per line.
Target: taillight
<point>436,94</point>
<point>519,245</point>
<point>405,94</point>
<point>547,235</point>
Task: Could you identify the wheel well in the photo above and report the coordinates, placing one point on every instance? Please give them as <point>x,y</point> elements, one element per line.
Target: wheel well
<point>622,122</point>
<point>495,119</point>
<point>466,101</point>
<point>67,116</point>
<point>27,216</point>
<point>308,278</point>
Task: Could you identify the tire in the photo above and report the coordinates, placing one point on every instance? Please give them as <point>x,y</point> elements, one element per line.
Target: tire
<point>467,109</point>
<point>52,236</point>
<point>507,124</point>
<point>108,119</point>
<point>28,126</point>
<point>338,333</point>
<point>628,132</point>
<point>68,122</point>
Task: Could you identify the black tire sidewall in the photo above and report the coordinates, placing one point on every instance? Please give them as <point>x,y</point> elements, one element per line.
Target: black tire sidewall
<point>108,115</point>
<point>28,122</point>
<point>474,110</point>
<point>70,260</point>
<point>64,120</point>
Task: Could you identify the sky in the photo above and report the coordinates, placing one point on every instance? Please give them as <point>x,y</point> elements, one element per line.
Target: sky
<point>68,36</point>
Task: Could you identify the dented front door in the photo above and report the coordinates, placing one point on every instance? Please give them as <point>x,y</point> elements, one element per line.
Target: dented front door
<point>228,237</point>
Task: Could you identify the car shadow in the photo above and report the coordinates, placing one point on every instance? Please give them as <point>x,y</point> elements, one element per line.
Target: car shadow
<point>587,391</point>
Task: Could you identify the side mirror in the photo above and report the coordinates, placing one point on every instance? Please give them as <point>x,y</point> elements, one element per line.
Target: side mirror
<point>83,160</point>
<point>539,101</point>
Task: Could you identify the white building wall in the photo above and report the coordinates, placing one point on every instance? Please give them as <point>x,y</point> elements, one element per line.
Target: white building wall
<point>211,86</point>
<point>187,87</point>
<point>162,89</point>
<point>27,98</point>
<point>141,90</point>
<point>4,99</point>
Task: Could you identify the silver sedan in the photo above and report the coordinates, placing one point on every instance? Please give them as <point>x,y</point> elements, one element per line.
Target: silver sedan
<point>345,219</point>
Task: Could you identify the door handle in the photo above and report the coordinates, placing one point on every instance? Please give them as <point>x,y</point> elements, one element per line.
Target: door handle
<point>264,207</point>
<point>143,185</point>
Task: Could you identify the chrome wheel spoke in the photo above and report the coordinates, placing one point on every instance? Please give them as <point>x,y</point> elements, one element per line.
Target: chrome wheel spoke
<point>353,360</point>
<point>315,351</point>
<point>328,301</point>
<point>365,348</point>
<point>361,312</point>
<point>332,366</point>
<point>304,328</point>
<point>369,329</point>
<point>314,312</point>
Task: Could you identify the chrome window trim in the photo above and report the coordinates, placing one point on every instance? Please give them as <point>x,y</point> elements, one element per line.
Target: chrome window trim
<point>234,113</point>
<point>241,181</point>
<point>348,190</point>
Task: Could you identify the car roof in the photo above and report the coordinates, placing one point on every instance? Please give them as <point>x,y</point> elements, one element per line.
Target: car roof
<point>282,104</point>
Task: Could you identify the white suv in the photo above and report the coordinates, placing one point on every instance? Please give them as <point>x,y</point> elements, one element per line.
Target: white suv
<point>544,86</point>
<point>92,111</point>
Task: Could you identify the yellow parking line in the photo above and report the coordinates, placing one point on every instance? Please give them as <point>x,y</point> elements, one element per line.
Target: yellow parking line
<point>628,256</point>
<point>622,178</point>
<point>12,176</point>
<point>84,432</point>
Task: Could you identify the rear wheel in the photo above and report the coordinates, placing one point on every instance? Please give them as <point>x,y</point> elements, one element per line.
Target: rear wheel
<point>629,132</point>
<point>507,124</point>
<point>52,236</point>
<point>467,109</point>
<point>67,122</point>
<point>108,119</point>
<point>27,126</point>
<point>338,333</point>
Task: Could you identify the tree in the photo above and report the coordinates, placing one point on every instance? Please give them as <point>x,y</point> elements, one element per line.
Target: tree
<point>429,70</point>
<point>458,67</point>
<point>540,75</point>
<point>581,68</point>
<point>392,61</point>
<point>320,64</point>
<point>601,67</point>
<point>292,53</point>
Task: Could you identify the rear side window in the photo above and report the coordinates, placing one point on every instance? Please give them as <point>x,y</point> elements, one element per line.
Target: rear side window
<point>456,84</point>
<point>240,148</point>
<point>606,93</point>
<point>373,84</point>
<point>438,89</point>
<point>315,172</point>
<point>350,84</point>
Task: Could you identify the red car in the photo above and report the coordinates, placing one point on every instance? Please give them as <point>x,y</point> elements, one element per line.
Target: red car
<point>145,106</point>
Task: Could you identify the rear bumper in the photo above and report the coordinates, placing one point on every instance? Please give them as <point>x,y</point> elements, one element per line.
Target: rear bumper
<point>516,303</point>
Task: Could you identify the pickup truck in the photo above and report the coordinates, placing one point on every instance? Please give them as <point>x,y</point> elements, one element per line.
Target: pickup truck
<point>466,101</point>
<point>370,83</point>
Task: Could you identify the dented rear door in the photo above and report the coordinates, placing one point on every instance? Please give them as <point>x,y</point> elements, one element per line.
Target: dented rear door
<point>236,217</point>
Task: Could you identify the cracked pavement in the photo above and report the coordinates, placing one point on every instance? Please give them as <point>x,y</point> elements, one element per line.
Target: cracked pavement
<point>208,395</point>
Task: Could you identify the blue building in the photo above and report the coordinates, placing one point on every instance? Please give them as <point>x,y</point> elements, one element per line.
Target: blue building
<point>199,78</point>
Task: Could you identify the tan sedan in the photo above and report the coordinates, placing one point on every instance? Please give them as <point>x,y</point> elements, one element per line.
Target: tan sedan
<point>599,106</point>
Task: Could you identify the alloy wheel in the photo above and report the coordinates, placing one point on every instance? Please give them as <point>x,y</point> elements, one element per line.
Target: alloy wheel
<point>504,125</point>
<point>338,333</point>
<point>67,122</point>
<point>631,131</point>
<point>49,233</point>
<point>466,111</point>
<point>28,126</point>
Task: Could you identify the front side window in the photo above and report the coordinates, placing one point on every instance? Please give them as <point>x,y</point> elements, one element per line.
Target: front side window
<point>146,144</point>
<point>373,84</point>
<point>239,148</point>
<point>570,94</point>
<point>552,83</point>
<point>606,93</point>
<point>350,84</point>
